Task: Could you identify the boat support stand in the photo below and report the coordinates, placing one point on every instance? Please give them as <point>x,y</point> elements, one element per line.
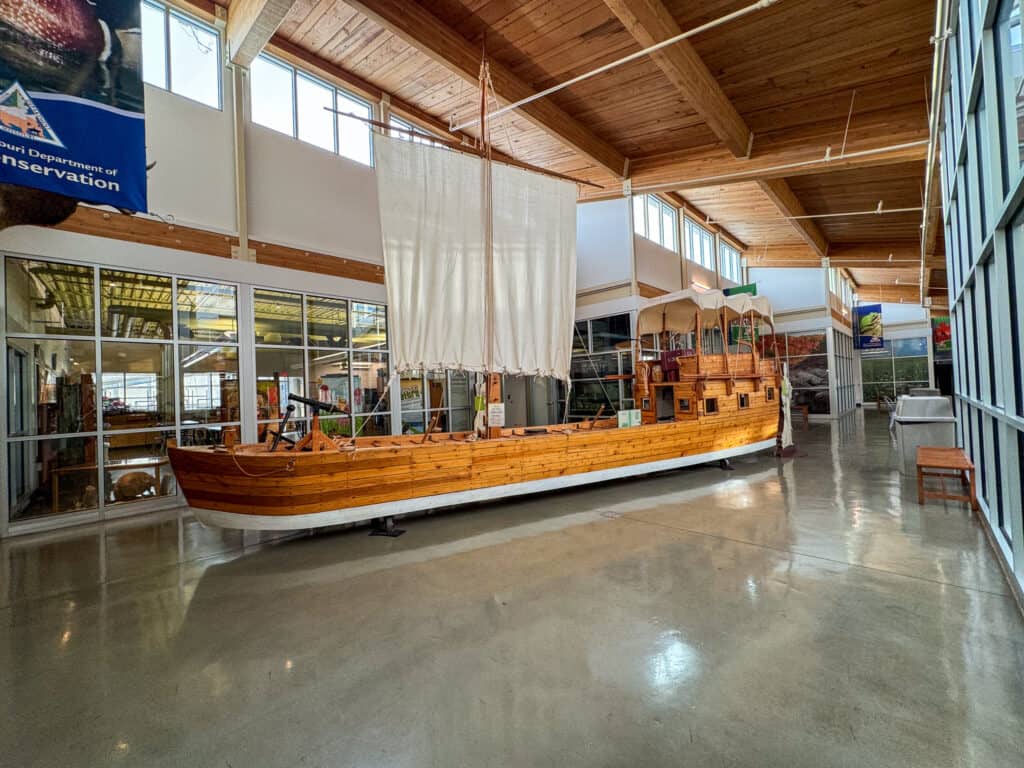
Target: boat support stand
<point>385,526</point>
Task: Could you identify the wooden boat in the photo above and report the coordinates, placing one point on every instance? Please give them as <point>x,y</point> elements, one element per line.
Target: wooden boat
<point>696,405</point>
<point>706,407</point>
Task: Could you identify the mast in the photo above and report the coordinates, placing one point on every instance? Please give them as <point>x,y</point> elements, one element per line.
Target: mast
<point>494,394</point>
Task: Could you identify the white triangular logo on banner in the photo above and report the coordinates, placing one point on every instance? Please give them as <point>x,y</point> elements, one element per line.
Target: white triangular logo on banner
<point>20,116</point>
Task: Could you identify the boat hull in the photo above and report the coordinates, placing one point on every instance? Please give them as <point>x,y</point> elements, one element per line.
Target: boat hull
<point>341,516</point>
<point>255,489</point>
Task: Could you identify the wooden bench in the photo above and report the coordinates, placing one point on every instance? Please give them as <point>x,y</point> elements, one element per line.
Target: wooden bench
<point>945,463</point>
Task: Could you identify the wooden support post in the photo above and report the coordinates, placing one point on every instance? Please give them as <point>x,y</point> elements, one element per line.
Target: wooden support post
<point>697,342</point>
<point>494,396</point>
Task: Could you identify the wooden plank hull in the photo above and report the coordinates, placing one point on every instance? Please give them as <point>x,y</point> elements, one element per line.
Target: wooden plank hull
<point>249,487</point>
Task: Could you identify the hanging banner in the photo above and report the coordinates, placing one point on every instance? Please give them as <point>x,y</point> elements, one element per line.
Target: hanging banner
<point>942,338</point>
<point>750,288</point>
<point>867,324</point>
<point>72,116</point>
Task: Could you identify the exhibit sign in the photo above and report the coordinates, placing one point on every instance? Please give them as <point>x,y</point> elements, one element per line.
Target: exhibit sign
<point>867,321</point>
<point>750,288</point>
<point>942,338</point>
<point>72,113</point>
<point>495,414</point>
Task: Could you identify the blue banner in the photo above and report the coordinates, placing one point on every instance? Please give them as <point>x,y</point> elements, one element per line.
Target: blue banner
<point>867,327</point>
<point>72,117</point>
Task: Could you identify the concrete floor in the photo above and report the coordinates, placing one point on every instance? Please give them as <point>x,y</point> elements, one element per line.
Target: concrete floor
<point>797,613</point>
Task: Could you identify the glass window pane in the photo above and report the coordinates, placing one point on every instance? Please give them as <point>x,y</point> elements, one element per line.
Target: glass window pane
<point>354,135</point>
<point>809,371</point>
<point>212,434</point>
<point>411,383</point>
<point>370,381</point>
<point>910,347</point>
<point>609,332</point>
<point>436,385</point>
<point>207,311</point>
<point>413,423</point>
<point>461,420</point>
<point>137,385</point>
<point>369,326</point>
<point>327,322</point>
<point>336,426</point>
<point>137,467</point>
<point>377,425</point>
<point>135,305</point>
<point>807,344</point>
<point>48,477</point>
<point>580,337</point>
<point>329,378</point>
<point>315,100</point>
<point>51,386</point>
<point>638,216</point>
<point>270,88</point>
<point>460,394</point>
<point>279,372</point>
<point>49,298</point>
<point>209,384</point>
<point>668,228</point>
<point>195,63</point>
<point>653,219</point>
<point>277,317</point>
<point>154,46</point>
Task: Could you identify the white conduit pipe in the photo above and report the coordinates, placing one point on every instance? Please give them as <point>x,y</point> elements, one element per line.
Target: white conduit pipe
<point>872,212</point>
<point>938,75</point>
<point>624,60</point>
<point>759,172</point>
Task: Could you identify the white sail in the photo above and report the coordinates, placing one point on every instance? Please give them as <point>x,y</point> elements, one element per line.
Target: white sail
<point>440,290</point>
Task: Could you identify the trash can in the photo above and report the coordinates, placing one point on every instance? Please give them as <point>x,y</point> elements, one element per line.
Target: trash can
<point>922,421</point>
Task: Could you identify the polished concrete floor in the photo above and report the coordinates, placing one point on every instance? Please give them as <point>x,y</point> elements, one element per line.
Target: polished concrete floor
<point>789,613</point>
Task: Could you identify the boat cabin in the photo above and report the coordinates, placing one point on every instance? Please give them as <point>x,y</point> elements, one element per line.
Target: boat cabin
<point>708,365</point>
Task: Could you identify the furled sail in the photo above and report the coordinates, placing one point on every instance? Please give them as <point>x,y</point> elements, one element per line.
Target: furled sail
<point>443,297</point>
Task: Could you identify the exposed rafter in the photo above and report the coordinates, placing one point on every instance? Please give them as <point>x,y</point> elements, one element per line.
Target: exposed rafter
<point>251,24</point>
<point>649,22</point>
<point>786,201</point>
<point>427,33</point>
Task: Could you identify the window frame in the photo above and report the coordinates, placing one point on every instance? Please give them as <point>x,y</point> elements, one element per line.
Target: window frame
<point>646,202</point>
<point>167,11</point>
<point>336,92</point>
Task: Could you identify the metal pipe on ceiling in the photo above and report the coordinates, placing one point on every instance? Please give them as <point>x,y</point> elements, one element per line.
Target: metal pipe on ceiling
<point>939,40</point>
<point>828,157</point>
<point>873,212</point>
<point>760,4</point>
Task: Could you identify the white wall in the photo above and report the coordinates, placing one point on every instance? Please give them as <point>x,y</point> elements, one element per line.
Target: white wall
<point>790,288</point>
<point>604,242</point>
<point>193,181</point>
<point>699,276</point>
<point>657,266</point>
<point>305,197</point>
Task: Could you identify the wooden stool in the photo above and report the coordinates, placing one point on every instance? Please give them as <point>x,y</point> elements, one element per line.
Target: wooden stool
<point>953,463</point>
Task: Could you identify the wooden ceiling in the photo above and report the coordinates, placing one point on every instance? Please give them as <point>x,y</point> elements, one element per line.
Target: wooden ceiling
<point>787,82</point>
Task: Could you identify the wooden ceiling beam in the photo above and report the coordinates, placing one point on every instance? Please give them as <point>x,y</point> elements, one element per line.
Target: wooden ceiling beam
<point>908,293</point>
<point>428,34</point>
<point>251,24</point>
<point>797,151</point>
<point>787,202</point>
<point>649,22</point>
